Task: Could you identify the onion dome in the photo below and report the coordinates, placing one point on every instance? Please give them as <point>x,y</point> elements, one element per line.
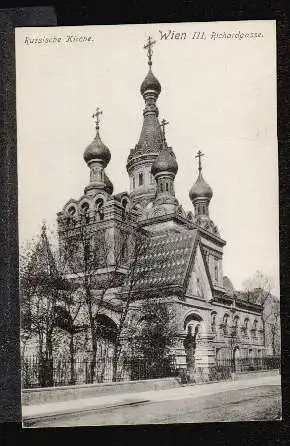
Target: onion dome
<point>165,162</point>
<point>97,150</point>
<point>200,189</point>
<point>108,185</point>
<point>150,83</point>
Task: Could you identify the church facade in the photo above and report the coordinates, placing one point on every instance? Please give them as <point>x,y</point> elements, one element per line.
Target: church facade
<point>182,257</point>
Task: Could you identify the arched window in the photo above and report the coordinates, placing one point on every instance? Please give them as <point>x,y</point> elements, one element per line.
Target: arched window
<point>140,179</point>
<point>161,187</point>
<point>166,187</point>
<point>246,327</point>
<point>213,322</point>
<point>72,211</point>
<point>134,183</point>
<point>85,207</point>
<point>216,272</point>
<point>99,207</point>
<point>254,329</point>
<point>226,324</point>
<point>236,325</point>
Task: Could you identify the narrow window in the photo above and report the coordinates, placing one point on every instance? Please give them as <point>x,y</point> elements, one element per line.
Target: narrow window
<point>216,276</point>
<point>140,179</point>
<point>161,187</point>
<point>166,187</point>
<point>133,182</point>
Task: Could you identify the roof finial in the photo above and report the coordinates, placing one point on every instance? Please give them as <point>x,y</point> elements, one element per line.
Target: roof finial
<point>96,115</point>
<point>199,155</point>
<point>162,125</point>
<point>149,52</point>
<point>43,227</point>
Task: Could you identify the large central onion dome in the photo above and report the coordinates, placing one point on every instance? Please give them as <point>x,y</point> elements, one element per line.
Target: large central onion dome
<point>150,83</point>
<point>165,162</point>
<point>97,150</point>
<point>200,189</point>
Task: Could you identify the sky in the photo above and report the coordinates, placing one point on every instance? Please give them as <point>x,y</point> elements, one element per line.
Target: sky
<point>219,96</point>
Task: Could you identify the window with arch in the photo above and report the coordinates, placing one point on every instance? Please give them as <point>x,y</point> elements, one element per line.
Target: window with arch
<point>216,272</point>
<point>85,207</point>
<point>246,327</point>
<point>71,211</point>
<point>213,322</point>
<point>236,325</point>
<point>140,176</point>
<point>166,187</point>
<point>161,187</point>
<point>134,185</point>
<point>254,329</point>
<point>226,324</point>
<point>99,207</point>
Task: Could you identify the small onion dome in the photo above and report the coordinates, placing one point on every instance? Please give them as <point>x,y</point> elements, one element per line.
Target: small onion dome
<point>97,149</point>
<point>150,83</point>
<point>200,189</point>
<point>108,185</point>
<point>165,162</point>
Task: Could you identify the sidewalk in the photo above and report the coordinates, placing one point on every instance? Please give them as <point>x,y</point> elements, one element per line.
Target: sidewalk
<point>37,412</point>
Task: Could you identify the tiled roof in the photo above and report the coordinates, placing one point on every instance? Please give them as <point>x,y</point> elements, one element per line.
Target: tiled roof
<point>164,261</point>
<point>150,140</point>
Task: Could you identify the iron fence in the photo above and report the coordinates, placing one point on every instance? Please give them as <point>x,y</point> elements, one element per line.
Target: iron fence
<point>66,372</point>
<point>227,366</point>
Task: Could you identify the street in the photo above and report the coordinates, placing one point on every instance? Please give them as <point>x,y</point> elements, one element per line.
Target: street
<point>253,403</point>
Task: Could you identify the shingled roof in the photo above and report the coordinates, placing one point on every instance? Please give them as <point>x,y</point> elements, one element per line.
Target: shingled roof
<point>165,261</point>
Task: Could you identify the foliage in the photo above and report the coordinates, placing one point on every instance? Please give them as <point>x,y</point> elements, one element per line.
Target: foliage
<point>258,289</point>
<point>156,331</point>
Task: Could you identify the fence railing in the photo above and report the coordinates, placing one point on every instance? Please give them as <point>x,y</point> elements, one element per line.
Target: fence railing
<point>240,365</point>
<point>65,372</point>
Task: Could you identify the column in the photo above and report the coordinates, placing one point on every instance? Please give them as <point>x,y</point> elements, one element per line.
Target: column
<point>205,358</point>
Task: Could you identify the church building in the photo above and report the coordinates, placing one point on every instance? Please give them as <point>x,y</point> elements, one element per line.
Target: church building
<point>181,261</point>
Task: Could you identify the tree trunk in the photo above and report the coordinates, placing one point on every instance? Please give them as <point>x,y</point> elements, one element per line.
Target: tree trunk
<point>72,360</point>
<point>116,356</point>
<point>48,361</point>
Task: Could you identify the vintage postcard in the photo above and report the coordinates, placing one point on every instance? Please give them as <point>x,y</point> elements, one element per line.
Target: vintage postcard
<point>148,223</point>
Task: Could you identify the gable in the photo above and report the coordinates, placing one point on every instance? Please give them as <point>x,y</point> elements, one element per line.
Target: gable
<point>199,282</point>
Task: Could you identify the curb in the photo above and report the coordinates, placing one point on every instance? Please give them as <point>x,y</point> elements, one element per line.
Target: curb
<point>29,420</point>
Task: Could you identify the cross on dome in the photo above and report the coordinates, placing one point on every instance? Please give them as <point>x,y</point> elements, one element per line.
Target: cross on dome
<point>199,155</point>
<point>162,125</point>
<point>96,115</point>
<point>148,47</point>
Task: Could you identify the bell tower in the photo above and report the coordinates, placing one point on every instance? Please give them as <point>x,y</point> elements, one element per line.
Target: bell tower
<point>141,158</point>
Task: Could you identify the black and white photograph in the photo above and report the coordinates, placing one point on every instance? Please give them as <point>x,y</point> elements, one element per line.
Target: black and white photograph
<point>148,209</point>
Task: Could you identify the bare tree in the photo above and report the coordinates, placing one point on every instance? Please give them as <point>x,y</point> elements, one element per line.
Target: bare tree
<point>258,289</point>
<point>93,260</point>
<point>139,246</point>
<point>42,288</point>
